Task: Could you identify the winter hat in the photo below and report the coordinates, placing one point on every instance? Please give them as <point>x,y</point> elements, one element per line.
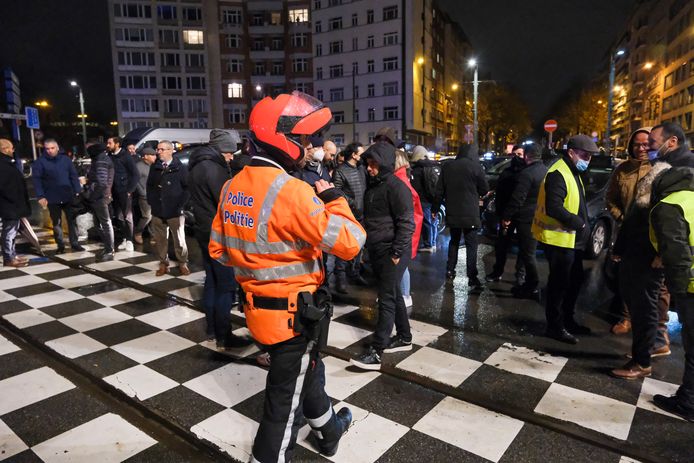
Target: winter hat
<point>418,153</point>
<point>388,133</point>
<point>149,150</point>
<point>222,141</point>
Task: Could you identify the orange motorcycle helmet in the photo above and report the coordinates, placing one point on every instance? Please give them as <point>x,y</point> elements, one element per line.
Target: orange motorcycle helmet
<point>277,125</point>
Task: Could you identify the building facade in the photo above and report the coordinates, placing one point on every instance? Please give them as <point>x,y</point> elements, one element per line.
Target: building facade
<point>654,79</point>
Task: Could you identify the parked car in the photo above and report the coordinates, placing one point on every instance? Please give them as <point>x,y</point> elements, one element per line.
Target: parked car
<point>149,136</point>
<point>602,225</point>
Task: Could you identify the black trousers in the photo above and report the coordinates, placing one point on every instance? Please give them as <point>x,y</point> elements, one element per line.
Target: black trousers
<point>56,213</point>
<point>103,218</point>
<point>685,310</point>
<point>123,212</point>
<point>502,246</point>
<point>564,283</point>
<point>295,387</point>
<point>527,247</point>
<point>391,305</point>
<point>639,285</point>
<point>469,236</point>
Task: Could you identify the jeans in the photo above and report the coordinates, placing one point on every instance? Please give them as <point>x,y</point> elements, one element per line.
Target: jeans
<point>123,211</point>
<point>391,306</point>
<point>470,237</point>
<point>103,219</point>
<point>564,283</point>
<point>527,247</point>
<point>639,285</point>
<point>218,295</point>
<point>56,213</point>
<point>10,227</point>
<point>405,283</point>
<point>430,230</point>
<point>145,214</point>
<point>160,231</point>
<point>685,309</point>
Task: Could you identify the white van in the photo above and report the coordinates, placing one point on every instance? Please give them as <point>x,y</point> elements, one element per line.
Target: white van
<point>149,136</point>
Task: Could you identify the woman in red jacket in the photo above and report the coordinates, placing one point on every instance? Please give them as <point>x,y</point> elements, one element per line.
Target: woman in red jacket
<point>402,167</point>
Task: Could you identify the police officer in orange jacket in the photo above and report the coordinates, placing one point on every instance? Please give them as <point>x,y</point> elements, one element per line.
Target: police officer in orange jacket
<point>272,228</point>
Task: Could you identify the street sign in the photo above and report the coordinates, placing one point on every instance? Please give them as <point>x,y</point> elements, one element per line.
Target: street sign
<point>468,137</point>
<point>551,125</point>
<point>468,127</point>
<point>12,116</point>
<point>32,115</point>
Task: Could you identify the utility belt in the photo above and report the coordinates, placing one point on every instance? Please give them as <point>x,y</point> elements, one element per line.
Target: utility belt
<point>312,312</point>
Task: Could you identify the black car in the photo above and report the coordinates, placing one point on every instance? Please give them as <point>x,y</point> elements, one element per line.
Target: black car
<point>602,225</point>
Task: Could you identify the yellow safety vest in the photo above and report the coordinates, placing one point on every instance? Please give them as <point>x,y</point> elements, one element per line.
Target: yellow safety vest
<point>685,201</point>
<point>547,229</point>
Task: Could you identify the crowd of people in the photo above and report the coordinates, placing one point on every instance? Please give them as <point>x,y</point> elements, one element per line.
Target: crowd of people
<point>271,225</point>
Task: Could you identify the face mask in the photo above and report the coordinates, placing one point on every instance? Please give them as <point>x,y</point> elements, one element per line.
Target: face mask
<point>318,154</point>
<point>582,165</point>
<point>653,154</point>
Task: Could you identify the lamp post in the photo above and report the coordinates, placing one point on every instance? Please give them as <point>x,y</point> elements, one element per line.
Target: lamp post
<point>473,64</point>
<point>83,115</point>
<point>610,93</point>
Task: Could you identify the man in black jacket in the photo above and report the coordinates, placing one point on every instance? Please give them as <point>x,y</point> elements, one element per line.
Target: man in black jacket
<point>14,204</point>
<point>672,223</point>
<point>460,186</point>
<point>125,182</point>
<point>389,224</point>
<point>425,177</point>
<point>351,179</point>
<point>667,143</point>
<point>504,189</point>
<point>209,170</point>
<point>98,194</point>
<point>167,194</point>
<point>521,210</point>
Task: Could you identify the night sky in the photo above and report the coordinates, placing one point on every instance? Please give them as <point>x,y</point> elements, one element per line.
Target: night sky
<point>535,45</point>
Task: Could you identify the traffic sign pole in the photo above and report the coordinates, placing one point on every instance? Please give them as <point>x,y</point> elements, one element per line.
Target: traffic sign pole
<point>550,126</point>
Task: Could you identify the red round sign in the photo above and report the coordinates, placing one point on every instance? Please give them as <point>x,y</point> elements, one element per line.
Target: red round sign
<point>551,125</point>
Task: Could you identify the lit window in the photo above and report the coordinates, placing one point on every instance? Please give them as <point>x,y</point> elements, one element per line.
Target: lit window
<point>193,37</point>
<point>298,15</point>
<point>235,90</point>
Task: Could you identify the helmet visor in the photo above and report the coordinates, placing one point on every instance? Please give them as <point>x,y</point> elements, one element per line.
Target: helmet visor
<point>303,115</point>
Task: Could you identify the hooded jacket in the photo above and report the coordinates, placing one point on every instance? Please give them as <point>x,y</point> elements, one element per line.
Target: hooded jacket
<point>208,171</point>
<point>461,184</point>
<point>523,200</point>
<point>167,189</point>
<point>388,207</point>
<point>507,183</point>
<point>55,178</point>
<point>679,157</point>
<point>14,199</point>
<point>622,187</point>
<point>401,173</point>
<point>671,229</point>
<point>424,171</point>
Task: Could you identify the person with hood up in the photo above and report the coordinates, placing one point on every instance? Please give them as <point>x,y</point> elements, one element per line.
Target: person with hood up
<point>639,282</point>
<point>208,171</point>
<point>425,176</point>
<point>620,195</point>
<point>460,186</point>
<point>389,224</point>
<point>402,172</point>
<point>672,234</point>
<point>504,189</point>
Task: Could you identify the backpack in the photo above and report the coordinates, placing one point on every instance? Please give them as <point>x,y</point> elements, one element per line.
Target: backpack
<point>431,178</point>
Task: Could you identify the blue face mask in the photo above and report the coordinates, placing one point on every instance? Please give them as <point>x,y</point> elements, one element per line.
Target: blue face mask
<point>582,165</point>
<point>653,154</point>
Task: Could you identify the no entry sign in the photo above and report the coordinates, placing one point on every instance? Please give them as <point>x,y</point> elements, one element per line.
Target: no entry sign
<point>551,125</point>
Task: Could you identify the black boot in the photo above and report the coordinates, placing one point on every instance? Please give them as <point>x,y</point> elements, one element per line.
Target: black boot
<point>341,284</point>
<point>332,431</point>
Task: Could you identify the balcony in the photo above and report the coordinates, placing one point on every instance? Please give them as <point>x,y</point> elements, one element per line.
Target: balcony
<point>173,115</point>
<point>267,54</point>
<point>266,29</point>
<point>143,114</point>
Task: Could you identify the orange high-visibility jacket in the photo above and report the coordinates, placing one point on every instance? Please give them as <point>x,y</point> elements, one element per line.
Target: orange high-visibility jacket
<point>271,228</point>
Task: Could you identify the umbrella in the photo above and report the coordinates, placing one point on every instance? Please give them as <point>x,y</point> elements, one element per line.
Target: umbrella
<point>26,230</point>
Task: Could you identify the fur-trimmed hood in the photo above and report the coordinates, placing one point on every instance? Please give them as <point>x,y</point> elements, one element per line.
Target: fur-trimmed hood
<point>645,186</point>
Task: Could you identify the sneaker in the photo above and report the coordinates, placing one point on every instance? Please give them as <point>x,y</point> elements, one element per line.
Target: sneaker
<point>494,276</point>
<point>622,327</point>
<point>104,257</point>
<point>129,246</point>
<point>408,301</point>
<point>370,360</point>
<point>427,249</point>
<point>672,405</point>
<point>631,371</point>
<point>61,249</point>
<point>78,248</point>
<point>121,247</point>
<point>397,345</point>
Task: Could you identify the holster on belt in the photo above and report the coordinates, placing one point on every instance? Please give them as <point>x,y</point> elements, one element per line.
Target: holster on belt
<point>313,316</point>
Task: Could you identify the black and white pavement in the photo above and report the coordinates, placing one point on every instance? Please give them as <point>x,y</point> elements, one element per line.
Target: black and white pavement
<point>461,394</point>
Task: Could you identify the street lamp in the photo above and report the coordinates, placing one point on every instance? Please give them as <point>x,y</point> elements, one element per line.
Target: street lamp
<point>473,64</point>
<point>613,58</point>
<point>82,115</point>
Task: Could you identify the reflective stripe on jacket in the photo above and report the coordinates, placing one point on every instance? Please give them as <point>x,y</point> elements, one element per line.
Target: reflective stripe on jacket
<point>272,229</point>
<point>684,200</point>
<point>547,229</point>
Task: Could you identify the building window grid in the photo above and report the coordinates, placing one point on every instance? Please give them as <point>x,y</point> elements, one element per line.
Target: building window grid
<point>390,88</point>
<point>336,71</point>
<point>232,41</point>
<point>390,38</point>
<point>134,58</point>
<point>336,47</point>
<point>299,15</point>
<point>337,94</point>
<point>300,65</point>
<point>370,41</point>
<point>369,16</point>
<point>235,65</point>
<point>335,23</point>
<point>139,105</point>
<point>237,116</point>
<point>390,113</point>
<point>370,90</point>
<point>192,14</point>
<point>195,83</point>
<point>235,90</point>
<point>390,64</point>
<point>370,66</point>
<point>132,10</point>
<point>299,40</point>
<point>134,34</point>
<point>232,16</point>
<point>193,37</point>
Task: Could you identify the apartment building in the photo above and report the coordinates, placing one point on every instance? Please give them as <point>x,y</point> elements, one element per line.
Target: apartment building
<point>384,63</point>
